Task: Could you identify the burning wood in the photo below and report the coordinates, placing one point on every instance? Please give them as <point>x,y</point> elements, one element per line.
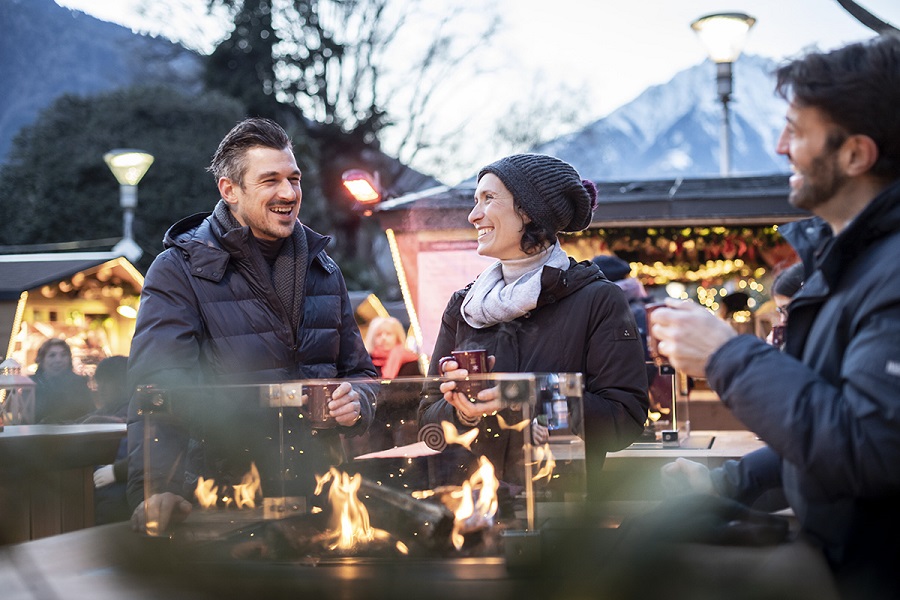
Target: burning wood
<point>349,526</point>
<point>364,518</point>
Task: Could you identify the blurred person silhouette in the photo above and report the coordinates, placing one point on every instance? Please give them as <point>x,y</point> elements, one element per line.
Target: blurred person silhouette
<point>786,284</point>
<point>827,405</point>
<point>244,295</point>
<point>395,408</point>
<point>60,394</point>
<point>734,308</point>
<point>113,395</point>
<point>537,310</point>
<point>386,343</point>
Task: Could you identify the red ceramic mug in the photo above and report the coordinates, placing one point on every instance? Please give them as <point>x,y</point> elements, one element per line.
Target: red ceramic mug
<point>473,361</point>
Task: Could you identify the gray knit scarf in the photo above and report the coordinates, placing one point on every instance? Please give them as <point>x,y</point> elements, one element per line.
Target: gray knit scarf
<point>508,289</point>
<point>288,272</point>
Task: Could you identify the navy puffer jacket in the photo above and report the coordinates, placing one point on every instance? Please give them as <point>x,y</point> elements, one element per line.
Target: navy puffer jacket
<point>829,407</point>
<point>210,316</point>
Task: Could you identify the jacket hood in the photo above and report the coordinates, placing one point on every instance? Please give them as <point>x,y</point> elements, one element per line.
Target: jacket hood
<point>201,233</point>
<point>557,284</point>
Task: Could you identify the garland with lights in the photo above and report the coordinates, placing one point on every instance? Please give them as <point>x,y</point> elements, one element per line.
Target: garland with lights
<point>703,263</point>
<point>692,254</point>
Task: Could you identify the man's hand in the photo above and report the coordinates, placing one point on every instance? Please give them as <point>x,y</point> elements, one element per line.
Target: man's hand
<point>344,405</point>
<point>686,477</point>
<point>157,513</point>
<point>104,476</point>
<point>688,335</point>
<point>540,434</point>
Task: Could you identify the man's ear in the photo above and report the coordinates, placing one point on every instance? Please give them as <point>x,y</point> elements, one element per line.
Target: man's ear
<point>859,153</point>
<point>226,190</point>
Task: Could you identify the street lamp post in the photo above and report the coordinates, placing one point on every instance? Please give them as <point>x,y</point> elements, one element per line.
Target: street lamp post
<point>129,166</point>
<point>723,35</point>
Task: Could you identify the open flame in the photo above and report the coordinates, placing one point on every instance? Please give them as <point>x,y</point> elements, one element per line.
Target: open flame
<point>463,439</point>
<point>473,512</point>
<point>349,526</point>
<point>543,457</point>
<point>207,492</point>
<point>245,493</point>
<point>521,425</point>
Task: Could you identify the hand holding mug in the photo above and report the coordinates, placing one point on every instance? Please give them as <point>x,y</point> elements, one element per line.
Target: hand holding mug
<point>687,334</point>
<point>472,399</point>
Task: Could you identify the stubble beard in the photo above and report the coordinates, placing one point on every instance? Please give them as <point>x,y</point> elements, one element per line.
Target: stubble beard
<point>821,183</point>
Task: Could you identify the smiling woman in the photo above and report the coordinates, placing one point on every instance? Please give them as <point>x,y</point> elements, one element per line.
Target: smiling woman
<point>537,310</point>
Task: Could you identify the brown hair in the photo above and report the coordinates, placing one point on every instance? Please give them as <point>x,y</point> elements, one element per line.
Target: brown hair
<point>230,158</point>
<point>47,345</point>
<point>858,87</point>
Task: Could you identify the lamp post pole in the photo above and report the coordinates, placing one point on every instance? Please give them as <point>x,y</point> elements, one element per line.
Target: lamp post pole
<point>129,167</point>
<point>128,202</point>
<point>724,87</point>
<point>723,35</point>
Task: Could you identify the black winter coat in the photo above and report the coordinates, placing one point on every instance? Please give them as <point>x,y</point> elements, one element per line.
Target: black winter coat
<point>582,323</point>
<point>209,315</point>
<point>829,406</point>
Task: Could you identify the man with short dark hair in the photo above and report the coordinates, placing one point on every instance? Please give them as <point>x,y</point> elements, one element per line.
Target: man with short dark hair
<point>828,406</point>
<point>245,295</point>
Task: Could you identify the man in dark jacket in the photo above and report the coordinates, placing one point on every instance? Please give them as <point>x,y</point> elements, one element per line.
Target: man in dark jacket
<point>828,406</point>
<point>245,295</point>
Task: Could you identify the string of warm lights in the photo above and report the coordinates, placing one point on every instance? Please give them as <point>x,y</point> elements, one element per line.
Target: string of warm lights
<point>404,290</point>
<point>708,284</point>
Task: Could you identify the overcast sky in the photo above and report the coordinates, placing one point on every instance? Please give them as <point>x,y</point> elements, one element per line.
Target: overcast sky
<point>613,49</point>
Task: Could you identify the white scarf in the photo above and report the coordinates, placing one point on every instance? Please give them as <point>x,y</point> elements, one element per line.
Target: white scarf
<point>509,288</point>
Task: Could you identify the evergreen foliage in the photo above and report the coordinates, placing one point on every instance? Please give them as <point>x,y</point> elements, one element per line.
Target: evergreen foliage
<point>56,187</point>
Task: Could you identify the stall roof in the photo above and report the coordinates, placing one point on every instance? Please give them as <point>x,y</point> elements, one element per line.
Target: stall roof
<point>760,200</point>
<point>22,272</point>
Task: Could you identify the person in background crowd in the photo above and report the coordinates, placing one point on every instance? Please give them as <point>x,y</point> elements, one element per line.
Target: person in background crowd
<point>60,395</point>
<point>538,310</point>
<point>827,405</point>
<point>111,379</point>
<point>245,295</point>
<point>386,343</point>
<point>786,284</point>
<point>395,410</point>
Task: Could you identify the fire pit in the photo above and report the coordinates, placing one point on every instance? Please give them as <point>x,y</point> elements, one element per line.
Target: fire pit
<point>267,488</point>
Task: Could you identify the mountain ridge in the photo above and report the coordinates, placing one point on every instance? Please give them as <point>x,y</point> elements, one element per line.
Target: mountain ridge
<point>672,129</point>
<point>48,50</point>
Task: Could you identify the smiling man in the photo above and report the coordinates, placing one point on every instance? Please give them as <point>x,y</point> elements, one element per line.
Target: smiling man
<point>828,406</point>
<point>243,295</point>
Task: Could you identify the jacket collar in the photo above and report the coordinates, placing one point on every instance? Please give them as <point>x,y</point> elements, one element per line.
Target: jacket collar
<point>822,251</point>
<point>209,248</point>
<point>557,284</point>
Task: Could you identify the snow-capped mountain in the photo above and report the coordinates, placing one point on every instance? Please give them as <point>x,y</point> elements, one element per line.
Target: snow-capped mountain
<point>673,129</point>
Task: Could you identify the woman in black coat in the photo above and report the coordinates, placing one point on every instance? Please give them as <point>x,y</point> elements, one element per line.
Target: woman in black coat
<point>538,310</point>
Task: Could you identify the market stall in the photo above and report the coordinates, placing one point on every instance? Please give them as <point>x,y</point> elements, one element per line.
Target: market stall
<point>88,299</point>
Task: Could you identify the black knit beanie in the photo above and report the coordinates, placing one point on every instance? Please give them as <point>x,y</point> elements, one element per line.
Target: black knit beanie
<point>789,281</point>
<point>549,190</point>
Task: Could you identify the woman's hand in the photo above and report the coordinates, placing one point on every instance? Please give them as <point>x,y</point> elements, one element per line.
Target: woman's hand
<point>486,402</point>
